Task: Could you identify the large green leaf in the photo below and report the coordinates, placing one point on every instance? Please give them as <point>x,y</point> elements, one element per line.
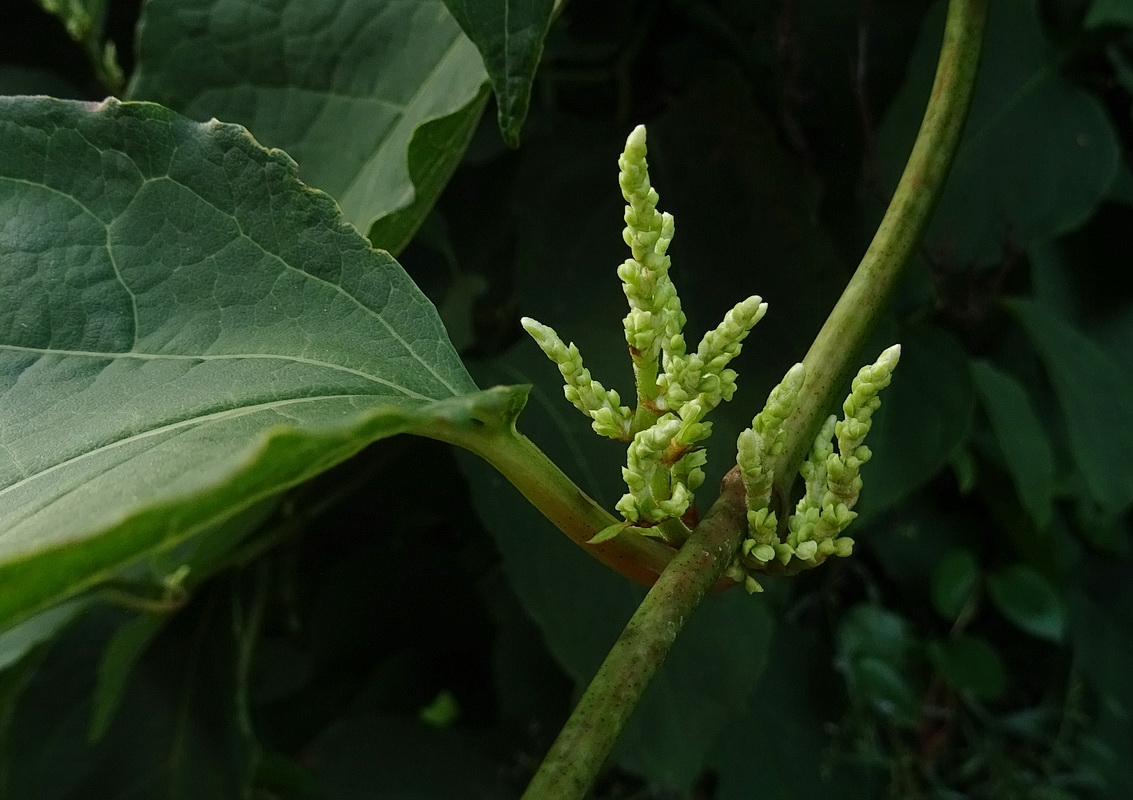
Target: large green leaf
<point>1096,395</point>
<point>187,329</point>
<point>1037,155</point>
<point>509,34</point>
<point>341,86</point>
<point>433,154</point>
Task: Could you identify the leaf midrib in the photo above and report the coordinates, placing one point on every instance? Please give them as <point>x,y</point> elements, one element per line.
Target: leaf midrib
<point>197,421</point>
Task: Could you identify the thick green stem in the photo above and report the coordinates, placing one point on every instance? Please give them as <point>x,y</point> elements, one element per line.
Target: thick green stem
<point>831,357</point>
<point>561,501</point>
<point>585,741</point>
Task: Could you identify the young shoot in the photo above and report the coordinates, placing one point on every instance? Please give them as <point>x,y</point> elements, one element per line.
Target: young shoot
<point>676,389</point>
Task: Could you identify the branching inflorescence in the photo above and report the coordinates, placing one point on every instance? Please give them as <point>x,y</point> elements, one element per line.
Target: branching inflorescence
<point>675,391</point>
<point>832,479</point>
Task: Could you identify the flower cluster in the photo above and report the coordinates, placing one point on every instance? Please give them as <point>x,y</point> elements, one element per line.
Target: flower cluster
<point>833,480</point>
<point>675,388</point>
<point>675,391</point>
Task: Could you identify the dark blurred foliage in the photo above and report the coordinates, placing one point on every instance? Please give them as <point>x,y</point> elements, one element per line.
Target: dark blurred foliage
<point>425,635</point>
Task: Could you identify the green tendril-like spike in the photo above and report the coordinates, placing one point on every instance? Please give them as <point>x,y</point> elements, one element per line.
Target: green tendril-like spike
<point>756,444</point>
<point>703,374</point>
<point>602,405</point>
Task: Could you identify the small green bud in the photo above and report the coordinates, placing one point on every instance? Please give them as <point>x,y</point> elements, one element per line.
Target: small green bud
<point>806,550</point>
<point>736,572</point>
<point>648,233</point>
<point>720,346</point>
<point>863,400</point>
<point>843,546</point>
<point>763,552</point>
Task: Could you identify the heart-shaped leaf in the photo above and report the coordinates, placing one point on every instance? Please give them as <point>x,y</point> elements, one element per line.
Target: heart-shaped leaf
<point>187,329</point>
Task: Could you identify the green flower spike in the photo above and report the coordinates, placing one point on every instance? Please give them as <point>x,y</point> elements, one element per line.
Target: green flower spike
<point>675,389</point>
<point>602,405</point>
<point>653,494</point>
<point>832,479</point>
<point>755,446</point>
<point>702,374</point>
<point>655,320</point>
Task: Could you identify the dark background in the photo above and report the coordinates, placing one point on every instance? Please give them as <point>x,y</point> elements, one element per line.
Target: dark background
<point>979,642</point>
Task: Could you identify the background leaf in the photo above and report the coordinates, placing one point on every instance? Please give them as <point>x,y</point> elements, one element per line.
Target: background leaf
<point>363,751</point>
<point>1021,435</point>
<point>1110,12</point>
<point>509,35</point>
<point>342,87</point>
<point>1094,393</point>
<point>970,664</point>
<point>874,646</point>
<point>768,753</point>
<point>1029,600</point>
<point>18,641</point>
<point>923,418</point>
<point>955,578</point>
<point>1037,155</point>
